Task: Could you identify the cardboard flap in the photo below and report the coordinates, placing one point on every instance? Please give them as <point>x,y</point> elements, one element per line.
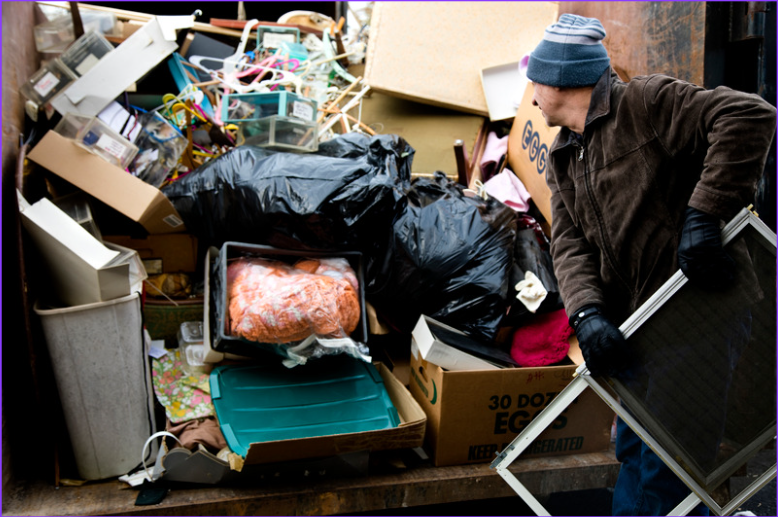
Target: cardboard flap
<point>129,195</point>
<point>449,357</point>
<point>81,268</point>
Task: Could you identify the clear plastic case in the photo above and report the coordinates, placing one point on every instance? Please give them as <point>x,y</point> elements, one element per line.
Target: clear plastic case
<point>100,139</point>
<point>85,52</point>
<point>55,35</point>
<point>76,205</point>
<point>269,36</point>
<point>71,124</point>
<point>238,107</point>
<point>280,133</point>
<point>192,349</point>
<point>48,81</point>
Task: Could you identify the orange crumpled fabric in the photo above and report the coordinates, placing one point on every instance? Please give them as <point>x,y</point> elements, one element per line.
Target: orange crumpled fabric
<point>275,302</point>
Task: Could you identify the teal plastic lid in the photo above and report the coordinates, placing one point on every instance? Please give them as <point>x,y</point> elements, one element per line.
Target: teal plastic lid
<point>269,402</point>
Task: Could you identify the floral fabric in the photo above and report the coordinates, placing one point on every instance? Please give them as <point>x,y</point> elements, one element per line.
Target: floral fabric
<point>185,397</point>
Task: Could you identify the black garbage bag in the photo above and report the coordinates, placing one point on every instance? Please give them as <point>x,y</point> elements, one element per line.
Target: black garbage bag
<point>339,198</point>
<point>531,253</point>
<point>449,258</point>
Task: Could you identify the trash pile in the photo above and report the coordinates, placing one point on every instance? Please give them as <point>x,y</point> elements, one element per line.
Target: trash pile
<point>279,86</point>
<point>215,184</point>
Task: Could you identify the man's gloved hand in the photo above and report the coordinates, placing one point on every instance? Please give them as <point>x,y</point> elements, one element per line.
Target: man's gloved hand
<point>700,253</point>
<point>604,347</point>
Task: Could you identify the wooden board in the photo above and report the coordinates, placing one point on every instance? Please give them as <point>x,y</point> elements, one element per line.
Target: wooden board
<point>393,487</point>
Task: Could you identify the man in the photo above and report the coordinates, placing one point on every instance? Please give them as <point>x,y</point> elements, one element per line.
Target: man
<point>642,174</point>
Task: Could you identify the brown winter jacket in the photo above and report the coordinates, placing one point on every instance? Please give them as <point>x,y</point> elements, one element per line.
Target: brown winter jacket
<point>649,148</point>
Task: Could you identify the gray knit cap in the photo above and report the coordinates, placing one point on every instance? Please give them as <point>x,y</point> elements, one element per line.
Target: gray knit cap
<point>571,53</point>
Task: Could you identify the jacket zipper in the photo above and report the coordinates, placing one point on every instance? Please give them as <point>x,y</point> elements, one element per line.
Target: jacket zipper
<point>600,225</point>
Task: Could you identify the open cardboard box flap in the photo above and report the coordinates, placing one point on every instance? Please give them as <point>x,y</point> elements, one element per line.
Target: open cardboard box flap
<point>114,186</point>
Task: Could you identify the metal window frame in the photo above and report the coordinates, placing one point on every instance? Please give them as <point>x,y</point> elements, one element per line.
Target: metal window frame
<point>583,380</point>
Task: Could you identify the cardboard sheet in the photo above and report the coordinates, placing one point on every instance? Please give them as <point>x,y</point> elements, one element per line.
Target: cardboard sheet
<point>119,69</point>
<point>430,130</point>
<point>433,52</point>
<point>82,269</point>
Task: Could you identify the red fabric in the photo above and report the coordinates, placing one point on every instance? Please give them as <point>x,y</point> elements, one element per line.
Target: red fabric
<point>543,341</point>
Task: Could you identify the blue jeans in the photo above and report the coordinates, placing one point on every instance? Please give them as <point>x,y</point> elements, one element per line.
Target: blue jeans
<point>645,486</point>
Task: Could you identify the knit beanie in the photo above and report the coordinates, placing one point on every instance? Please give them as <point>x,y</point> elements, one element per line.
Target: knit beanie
<point>571,53</point>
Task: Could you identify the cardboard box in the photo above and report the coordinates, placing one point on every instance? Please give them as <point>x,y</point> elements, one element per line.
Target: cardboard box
<point>409,434</point>
<point>430,130</point>
<point>434,53</point>
<point>132,197</point>
<point>473,415</point>
<point>174,253</point>
<point>528,145</point>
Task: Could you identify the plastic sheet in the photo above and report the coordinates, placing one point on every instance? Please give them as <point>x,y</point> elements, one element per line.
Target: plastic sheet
<point>299,305</point>
<point>270,301</point>
<point>449,258</point>
<point>340,197</point>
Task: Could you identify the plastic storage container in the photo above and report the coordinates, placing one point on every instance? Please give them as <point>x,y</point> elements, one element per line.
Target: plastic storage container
<point>239,107</point>
<point>160,146</point>
<point>100,139</point>
<point>271,36</point>
<point>55,35</point>
<point>48,81</point>
<point>85,52</point>
<point>269,402</point>
<point>292,50</point>
<point>280,134</point>
<point>99,361</point>
<point>72,124</point>
<point>190,344</point>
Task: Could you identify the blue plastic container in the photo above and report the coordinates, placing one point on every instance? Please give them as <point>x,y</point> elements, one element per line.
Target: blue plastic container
<point>269,402</point>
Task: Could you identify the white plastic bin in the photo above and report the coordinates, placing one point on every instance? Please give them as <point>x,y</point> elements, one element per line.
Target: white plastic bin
<point>99,360</point>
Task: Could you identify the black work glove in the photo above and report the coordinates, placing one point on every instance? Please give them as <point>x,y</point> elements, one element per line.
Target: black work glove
<point>604,347</point>
<point>700,254</point>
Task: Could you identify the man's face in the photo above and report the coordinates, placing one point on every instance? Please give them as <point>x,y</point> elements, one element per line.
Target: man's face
<point>551,102</point>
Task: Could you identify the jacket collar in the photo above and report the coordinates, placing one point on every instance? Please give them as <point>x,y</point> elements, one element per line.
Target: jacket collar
<point>599,106</point>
